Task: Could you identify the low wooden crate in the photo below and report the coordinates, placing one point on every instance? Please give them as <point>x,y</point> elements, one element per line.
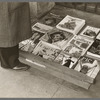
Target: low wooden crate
<point>56,70</point>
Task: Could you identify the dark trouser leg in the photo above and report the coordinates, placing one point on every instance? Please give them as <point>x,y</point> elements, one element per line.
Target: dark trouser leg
<point>9,57</point>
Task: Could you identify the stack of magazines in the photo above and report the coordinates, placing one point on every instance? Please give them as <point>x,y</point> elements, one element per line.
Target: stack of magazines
<point>74,49</point>
<point>71,24</point>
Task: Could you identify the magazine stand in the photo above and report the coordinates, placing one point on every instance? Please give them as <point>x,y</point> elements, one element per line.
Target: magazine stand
<point>56,69</point>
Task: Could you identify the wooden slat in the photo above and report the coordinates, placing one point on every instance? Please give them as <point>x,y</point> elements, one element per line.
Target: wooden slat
<point>58,74</point>
<point>57,67</point>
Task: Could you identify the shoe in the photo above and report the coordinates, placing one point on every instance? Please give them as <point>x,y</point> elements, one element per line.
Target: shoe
<point>21,66</point>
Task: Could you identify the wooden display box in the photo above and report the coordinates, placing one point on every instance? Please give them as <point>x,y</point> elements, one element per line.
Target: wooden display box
<point>54,68</point>
<point>57,70</point>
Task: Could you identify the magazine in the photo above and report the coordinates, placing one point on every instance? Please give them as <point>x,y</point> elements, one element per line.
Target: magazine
<point>66,60</point>
<point>71,24</point>
<point>46,50</point>
<point>88,66</point>
<point>51,19</point>
<point>78,46</point>
<point>57,37</point>
<point>94,50</point>
<point>29,44</point>
<point>41,27</point>
<point>23,43</point>
<point>90,32</point>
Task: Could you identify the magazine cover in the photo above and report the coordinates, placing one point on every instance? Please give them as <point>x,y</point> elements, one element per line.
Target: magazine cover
<point>41,27</point>
<point>23,43</point>
<point>94,50</point>
<point>52,19</point>
<point>90,32</point>
<point>71,24</point>
<point>88,66</point>
<point>66,60</point>
<point>77,46</point>
<point>46,50</point>
<point>29,44</point>
<point>57,37</point>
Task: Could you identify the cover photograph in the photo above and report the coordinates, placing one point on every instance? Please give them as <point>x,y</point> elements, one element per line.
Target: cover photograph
<point>90,32</point>
<point>88,66</point>
<point>66,60</point>
<point>57,37</point>
<point>52,19</point>
<point>46,50</point>
<point>71,24</point>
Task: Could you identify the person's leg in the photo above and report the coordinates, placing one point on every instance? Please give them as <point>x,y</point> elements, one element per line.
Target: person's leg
<point>9,58</point>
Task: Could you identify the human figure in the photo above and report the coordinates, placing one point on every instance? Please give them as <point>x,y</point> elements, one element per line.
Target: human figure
<point>58,39</point>
<point>57,36</point>
<point>68,62</point>
<point>36,36</point>
<point>85,67</point>
<point>41,53</point>
<point>15,27</point>
<point>90,33</point>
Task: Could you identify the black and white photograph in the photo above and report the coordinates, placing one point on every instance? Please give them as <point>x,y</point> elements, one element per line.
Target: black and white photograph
<point>49,49</point>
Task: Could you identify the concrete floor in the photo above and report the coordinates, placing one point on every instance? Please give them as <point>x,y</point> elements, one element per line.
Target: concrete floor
<point>36,84</point>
